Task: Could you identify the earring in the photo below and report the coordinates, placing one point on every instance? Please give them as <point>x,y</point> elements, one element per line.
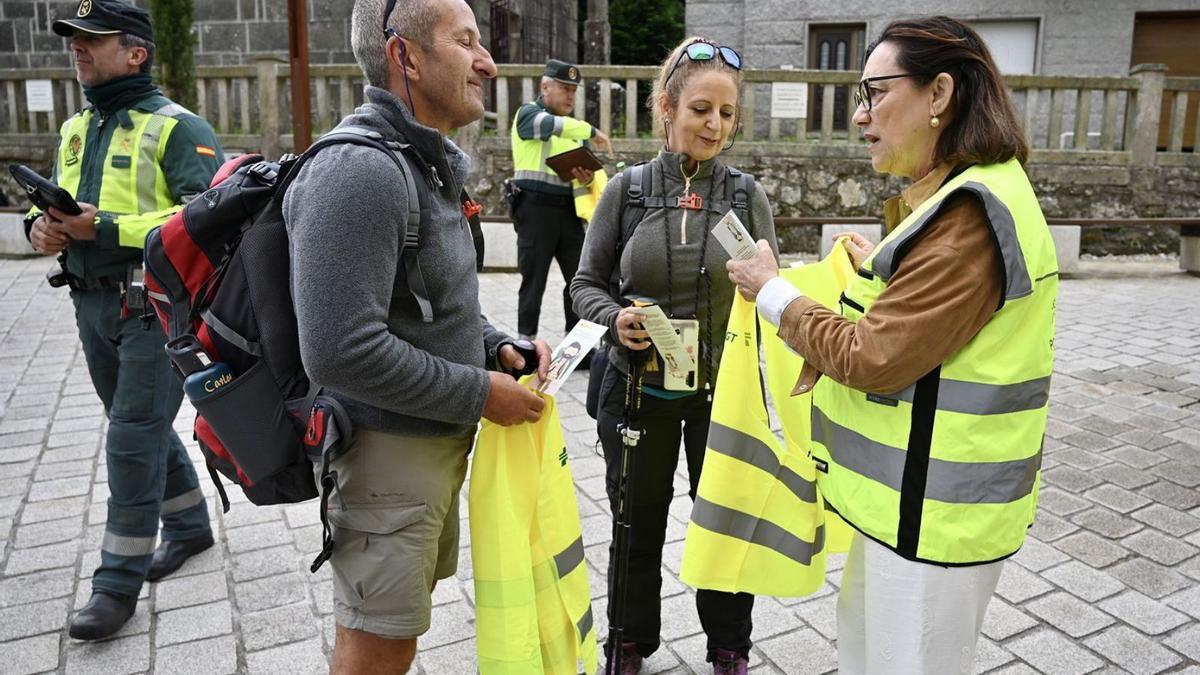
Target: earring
<point>934,122</point>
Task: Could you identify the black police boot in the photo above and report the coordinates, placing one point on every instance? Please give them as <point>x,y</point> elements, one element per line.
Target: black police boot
<point>103,615</point>
<point>170,555</point>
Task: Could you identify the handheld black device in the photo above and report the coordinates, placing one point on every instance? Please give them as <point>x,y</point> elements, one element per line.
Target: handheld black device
<point>43,193</point>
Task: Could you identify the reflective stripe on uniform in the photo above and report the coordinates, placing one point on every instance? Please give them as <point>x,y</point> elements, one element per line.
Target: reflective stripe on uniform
<point>570,558</point>
<point>182,502</point>
<point>1017,281</point>
<point>950,482</point>
<point>976,398</point>
<point>538,176</point>
<point>748,528</point>
<point>147,169</point>
<point>584,625</point>
<point>748,449</point>
<point>117,544</point>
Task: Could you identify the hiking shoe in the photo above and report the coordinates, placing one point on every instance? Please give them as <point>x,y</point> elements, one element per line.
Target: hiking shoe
<point>631,661</point>
<point>726,662</point>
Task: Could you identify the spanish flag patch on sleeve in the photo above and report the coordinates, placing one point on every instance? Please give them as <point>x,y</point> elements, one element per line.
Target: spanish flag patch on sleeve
<point>206,151</point>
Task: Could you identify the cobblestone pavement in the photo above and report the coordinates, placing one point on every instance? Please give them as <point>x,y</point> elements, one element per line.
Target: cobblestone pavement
<point>1106,583</point>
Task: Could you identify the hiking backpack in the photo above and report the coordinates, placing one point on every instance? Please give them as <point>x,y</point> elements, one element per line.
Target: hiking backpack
<point>638,185</point>
<point>219,271</point>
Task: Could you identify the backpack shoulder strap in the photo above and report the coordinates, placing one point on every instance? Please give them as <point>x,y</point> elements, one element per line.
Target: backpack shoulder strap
<point>635,179</point>
<point>739,190</point>
<point>411,166</point>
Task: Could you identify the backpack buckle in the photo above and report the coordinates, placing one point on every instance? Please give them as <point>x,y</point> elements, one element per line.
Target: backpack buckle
<point>471,208</point>
<point>692,202</point>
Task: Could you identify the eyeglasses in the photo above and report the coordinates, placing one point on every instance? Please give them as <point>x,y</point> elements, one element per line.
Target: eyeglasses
<point>707,51</point>
<point>862,93</point>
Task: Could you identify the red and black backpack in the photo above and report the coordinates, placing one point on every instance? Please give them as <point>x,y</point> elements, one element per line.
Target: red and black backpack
<point>219,271</point>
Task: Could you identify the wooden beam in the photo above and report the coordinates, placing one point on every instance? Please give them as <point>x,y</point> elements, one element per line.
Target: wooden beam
<point>298,57</point>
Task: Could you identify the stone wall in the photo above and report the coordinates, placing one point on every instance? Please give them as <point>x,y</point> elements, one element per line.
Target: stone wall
<point>839,181</point>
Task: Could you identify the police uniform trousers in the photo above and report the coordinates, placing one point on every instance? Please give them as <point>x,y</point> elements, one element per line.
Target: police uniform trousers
<point>149,473</point>
<point>547,229</point>
<point>725,617</point>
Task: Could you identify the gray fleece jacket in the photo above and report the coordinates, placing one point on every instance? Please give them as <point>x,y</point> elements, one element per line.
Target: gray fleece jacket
<point>361,334</point>
<point>655,263</point>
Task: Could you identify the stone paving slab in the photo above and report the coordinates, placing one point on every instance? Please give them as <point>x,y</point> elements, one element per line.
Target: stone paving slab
<point>1106,583</point>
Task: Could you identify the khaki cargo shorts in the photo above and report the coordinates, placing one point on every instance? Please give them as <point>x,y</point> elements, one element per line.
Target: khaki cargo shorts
<point>395,520</point>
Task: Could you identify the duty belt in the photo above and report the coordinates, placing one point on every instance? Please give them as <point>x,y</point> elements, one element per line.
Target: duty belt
<point>95,284</point>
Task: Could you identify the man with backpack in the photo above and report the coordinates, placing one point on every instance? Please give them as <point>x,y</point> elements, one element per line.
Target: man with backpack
<point>130,159</point>
<point>414,371</point>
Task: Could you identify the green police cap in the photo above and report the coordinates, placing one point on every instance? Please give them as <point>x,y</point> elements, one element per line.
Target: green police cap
<point>106,17</point>
<point>562,71</point>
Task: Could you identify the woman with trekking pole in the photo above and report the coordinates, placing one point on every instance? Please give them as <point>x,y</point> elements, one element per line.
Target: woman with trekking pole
<point>650,240</point>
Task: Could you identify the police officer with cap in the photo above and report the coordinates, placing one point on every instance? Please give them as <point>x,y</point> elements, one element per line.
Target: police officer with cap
<point>131,159</point>
<point>544,210</point>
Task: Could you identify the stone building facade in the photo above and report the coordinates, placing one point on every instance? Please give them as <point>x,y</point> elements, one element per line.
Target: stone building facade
<point>233,32</point>
<point>1073,37</point>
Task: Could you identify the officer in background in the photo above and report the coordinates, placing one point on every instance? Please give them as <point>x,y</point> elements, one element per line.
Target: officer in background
<point>544,209</point>
<point>131,159</point>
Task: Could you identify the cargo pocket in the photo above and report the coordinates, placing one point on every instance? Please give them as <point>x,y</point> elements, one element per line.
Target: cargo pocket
<point>378,558</point>
<point>248,417</point>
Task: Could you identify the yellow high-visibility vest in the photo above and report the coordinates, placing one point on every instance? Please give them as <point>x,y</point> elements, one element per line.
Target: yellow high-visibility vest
<point>532,598</point>
<point>141,197</point>
<point>758,524</point>
<point>550,134</point>
<point>946,470</point>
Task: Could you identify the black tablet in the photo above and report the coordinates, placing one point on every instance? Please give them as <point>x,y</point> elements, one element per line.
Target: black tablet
<point>580,157</point>
<point>42,192</point>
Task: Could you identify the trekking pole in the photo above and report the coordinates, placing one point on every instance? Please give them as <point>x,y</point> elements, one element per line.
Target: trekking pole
<point>631,433</point>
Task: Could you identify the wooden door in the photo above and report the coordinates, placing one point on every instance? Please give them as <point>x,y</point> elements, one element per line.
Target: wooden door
<point>1170,38</point>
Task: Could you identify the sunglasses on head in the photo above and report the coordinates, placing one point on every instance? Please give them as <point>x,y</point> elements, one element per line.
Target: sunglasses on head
<point>707,51</point>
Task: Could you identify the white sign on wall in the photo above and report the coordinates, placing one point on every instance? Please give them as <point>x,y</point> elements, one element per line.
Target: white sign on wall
<point>39,96</point>
<point>789,100</point>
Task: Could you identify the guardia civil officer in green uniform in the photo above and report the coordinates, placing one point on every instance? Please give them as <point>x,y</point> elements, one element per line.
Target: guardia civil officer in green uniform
<point>131,159</point>
<point>548,226</point>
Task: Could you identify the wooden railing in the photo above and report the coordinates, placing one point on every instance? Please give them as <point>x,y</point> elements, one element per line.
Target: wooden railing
<point>1107,120</point>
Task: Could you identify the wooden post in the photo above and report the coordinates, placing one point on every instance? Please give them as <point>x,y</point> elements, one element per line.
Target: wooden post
<point>268,106</point>
<point>298,55</point>
<point>1148,111</point>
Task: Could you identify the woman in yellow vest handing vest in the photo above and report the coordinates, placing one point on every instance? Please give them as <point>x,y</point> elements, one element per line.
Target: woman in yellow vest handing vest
<point>650,238</point>
<point>927,423</point>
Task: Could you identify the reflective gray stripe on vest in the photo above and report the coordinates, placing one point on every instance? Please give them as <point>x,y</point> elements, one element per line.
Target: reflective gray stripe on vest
<point>538,176</point>
<point>582,191</point>
<point>854,452</point>
<point>748,528</point>
<point>172,109</point>
<point>746,448</point>
<point>975,398</point>
<point>127,546</point>
<point>1000,219</point>
<point>982,482</point>
<point>584,625</point>
<point>570,558</point>
<point>946,481</point>
<point>182,502</point>
<point>147,171</point>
